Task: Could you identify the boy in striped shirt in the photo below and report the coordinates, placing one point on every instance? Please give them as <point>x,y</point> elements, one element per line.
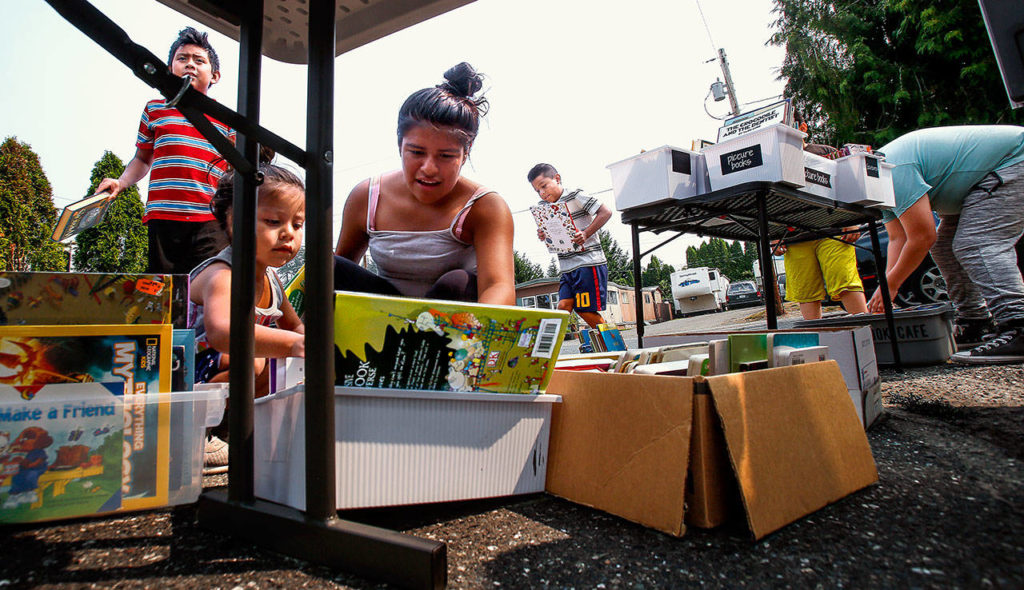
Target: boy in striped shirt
<point>583,287</point>
<point>184,168</point>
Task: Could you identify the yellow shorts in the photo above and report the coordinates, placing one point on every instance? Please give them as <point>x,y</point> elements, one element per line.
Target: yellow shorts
<point>811,266</point>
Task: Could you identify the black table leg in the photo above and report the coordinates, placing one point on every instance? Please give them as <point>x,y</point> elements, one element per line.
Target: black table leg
<point>883,285</point>
<point>638,287</point>
<point>767,265</point>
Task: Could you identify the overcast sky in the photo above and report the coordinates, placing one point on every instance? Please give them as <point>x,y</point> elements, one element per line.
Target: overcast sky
<point>576,83</point>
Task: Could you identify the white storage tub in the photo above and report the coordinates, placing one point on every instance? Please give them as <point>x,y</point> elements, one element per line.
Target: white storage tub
<point>865,179</point>
<point>656,176</point>
<point>772,154</point>
<point>395,447</point>
<point>819,176</point>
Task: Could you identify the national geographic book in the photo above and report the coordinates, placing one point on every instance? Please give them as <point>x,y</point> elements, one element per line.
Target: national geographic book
<point>61,453</point>
<point>136,359</point>
<point>401,343</point>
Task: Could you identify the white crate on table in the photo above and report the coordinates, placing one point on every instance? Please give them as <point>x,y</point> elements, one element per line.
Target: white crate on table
<point>819,176</point>
<point>396,447</point>
<point>655,176</point>
<point>865,179</point>
<point>772,154</point>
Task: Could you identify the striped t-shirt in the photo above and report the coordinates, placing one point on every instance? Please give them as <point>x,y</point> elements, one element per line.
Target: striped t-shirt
<point>182,178</point>
<point>582,209</point>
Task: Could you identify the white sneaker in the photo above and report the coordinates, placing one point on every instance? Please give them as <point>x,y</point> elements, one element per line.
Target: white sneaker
<point>216,457</point>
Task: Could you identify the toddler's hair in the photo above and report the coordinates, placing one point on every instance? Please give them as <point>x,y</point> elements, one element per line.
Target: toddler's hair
<point>542,169</point>
<point>190,36</point>
<point>273,177</point>
<point>450,104</point>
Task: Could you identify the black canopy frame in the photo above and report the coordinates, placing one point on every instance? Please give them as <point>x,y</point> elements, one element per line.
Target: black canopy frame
<point>316,534</point>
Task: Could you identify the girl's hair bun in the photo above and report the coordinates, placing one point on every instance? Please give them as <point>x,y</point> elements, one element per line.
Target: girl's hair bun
<point>463,80</point>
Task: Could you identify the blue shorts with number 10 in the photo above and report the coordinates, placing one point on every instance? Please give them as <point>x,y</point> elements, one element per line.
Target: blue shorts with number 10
<point>586,286</point>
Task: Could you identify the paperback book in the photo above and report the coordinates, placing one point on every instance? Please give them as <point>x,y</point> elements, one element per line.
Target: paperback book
<point>135,359</point>
<point>403,343</point>
<point>81,215</point>
<point>556,222</point>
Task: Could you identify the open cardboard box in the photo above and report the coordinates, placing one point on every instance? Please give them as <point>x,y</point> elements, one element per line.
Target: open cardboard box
<point>670,451</point>
<point>850,346</point>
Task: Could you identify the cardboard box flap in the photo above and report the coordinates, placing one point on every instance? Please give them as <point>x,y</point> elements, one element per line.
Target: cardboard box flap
<point>651,419</point>
<point>794,441</point>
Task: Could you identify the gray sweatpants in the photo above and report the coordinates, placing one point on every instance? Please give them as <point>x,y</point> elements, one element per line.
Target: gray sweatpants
<point>975,250</point>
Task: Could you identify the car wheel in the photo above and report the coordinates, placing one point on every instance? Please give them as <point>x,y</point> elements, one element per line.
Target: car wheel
<point>926,286</point>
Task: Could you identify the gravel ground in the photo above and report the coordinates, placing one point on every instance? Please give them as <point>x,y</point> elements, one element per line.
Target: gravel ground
<point>947,512</point>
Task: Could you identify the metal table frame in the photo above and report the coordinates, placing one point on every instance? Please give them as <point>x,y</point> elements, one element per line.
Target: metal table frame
<point>756,212</point>
<point>316,534</point>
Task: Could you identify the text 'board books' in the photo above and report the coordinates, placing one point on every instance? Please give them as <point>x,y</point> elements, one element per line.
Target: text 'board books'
<point>51,298</point>
<point>136,360</point>
<point>402,343</point>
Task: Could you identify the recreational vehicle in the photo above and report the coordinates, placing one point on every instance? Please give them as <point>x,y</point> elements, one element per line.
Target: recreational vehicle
<point>696,290</point>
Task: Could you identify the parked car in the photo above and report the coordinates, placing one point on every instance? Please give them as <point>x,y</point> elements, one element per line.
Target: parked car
<point>924,285</point>
<point>742,294</point>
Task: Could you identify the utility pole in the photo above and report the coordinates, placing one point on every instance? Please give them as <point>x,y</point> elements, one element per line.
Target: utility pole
<point>730,88</point>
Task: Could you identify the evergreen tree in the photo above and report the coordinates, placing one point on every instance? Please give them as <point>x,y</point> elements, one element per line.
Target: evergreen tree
<point>658,274</point>
<point>119,243</point>
<point>27,213</point>
<point>553,268</point>
<point>525,270</point>
<point>620,264</point>
<point>867,71</point>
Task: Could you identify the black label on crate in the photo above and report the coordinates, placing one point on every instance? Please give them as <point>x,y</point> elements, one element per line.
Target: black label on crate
<point>744,159</point>
<point>818,177</point>
<point>681,162</point>
<point>871,166</point>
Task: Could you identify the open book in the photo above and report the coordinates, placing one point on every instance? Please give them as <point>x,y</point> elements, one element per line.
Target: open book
<point>556,222</point>
<point>81,215</point>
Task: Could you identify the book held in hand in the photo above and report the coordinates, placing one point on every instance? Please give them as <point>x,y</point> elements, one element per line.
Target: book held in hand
<point>556,222</point>
<point>81,215</point>
<point>429,344</point>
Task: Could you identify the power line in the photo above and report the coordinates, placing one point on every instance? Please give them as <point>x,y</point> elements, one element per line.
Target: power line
<point>714,48</point>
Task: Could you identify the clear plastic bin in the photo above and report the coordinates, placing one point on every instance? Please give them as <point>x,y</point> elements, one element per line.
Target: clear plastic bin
<point>656,176</point>
<point>772,154</point>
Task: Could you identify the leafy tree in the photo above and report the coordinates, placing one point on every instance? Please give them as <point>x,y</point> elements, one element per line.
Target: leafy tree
<point>867,71</point>
<point>620,264</point>
<point>735,259</point>
<point>525,270</point>
<point>27,214</point>
<point>119,243</point>
<point>658,274</point>
<point>553,268</point>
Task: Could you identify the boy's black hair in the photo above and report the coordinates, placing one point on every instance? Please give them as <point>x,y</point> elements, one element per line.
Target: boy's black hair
<point>190,36</point>
<point>223,198</point>
<point>541,169</point>
<point>450,104</point>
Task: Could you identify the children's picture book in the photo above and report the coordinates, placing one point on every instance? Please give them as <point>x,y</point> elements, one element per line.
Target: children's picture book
<point>718,356</point>
<point>295,291</point>
<point>556,222</point>
<point>403,343</point>
<point>612,337</point>
<point>784,356</point>
<point>677,368</point>
<point>61,453</point>
<point>135,359</point>
<point>51,298</point>
<point>81,215</point>
<point>699,364</point>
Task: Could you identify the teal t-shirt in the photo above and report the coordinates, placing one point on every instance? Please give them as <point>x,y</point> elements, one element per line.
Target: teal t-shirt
<point>945,162</point>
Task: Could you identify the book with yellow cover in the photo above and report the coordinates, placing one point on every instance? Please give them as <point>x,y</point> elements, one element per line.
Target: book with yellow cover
<point>50,298</point>
<point>136,360</point>
<point>401,343</point>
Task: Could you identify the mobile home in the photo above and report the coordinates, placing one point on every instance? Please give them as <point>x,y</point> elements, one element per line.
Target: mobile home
<point>699,289</point>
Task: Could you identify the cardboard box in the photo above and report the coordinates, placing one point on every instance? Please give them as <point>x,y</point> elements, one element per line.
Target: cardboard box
<point>396,447</point>
<point>851,347</point>
<point>646,448</point>
<point>655,176</point>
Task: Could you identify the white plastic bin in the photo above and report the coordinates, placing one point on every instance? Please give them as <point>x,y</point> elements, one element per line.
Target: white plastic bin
<point>865,179</point>
<point>772,154</point>
<point>656,176</point>
<point>395,447</point>
<point>819,176</point>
